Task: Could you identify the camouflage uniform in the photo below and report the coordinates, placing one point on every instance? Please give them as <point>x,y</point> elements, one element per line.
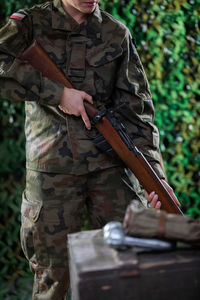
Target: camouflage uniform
<point>64,168</point>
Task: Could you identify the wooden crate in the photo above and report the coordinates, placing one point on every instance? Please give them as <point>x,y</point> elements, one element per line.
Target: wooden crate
<point>98,272</point>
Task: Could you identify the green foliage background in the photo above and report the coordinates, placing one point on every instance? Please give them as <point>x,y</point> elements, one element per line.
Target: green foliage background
<point>168,37</point>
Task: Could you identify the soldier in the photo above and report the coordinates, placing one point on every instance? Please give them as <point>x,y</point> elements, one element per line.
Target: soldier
<point>65,171</point>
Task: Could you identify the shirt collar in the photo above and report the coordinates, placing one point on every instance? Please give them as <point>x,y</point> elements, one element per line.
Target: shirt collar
<point>62,20</point>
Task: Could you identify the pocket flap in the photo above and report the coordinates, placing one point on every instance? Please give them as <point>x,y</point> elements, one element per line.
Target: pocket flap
<point>103,54</point>
<point>30,209</point>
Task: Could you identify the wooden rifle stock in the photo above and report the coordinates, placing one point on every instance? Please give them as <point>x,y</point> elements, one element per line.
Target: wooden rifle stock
<point>137,163</point>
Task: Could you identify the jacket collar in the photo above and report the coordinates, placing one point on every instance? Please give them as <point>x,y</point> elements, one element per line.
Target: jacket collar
<point>63,21</point>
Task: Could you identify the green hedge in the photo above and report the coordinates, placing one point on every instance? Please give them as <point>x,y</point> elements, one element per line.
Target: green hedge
<point>168,37</point>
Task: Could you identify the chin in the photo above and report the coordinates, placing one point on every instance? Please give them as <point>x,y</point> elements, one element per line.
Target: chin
<point>89,7</point>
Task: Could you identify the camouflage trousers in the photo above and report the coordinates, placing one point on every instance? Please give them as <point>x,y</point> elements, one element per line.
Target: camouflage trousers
<point>52,207</point>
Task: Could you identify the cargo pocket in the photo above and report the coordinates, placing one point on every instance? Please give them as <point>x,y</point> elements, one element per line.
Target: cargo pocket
<point>30,212</point>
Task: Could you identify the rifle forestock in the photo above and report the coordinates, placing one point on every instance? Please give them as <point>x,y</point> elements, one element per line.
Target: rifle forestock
<point>137,163</point>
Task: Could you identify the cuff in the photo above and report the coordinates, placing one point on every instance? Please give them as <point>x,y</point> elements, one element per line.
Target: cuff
<point>159,171</point>
<point>50,92</point>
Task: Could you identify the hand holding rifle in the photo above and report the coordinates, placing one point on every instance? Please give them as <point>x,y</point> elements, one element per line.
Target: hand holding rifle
<point>72,103</point>
<point>153,199</point>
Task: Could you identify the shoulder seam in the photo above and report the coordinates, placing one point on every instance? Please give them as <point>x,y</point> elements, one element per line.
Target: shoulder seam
<point>108,15</point>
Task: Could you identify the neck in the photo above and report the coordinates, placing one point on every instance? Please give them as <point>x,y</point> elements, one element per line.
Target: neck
<point>78,16</point>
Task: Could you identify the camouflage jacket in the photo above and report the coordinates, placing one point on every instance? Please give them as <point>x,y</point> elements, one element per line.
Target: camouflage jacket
<point>99,57</point>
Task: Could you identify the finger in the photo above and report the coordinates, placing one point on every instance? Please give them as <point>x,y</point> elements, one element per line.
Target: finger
<point>158,205</point>
<point>171,192</point>
<point>176,199</point>
<point>149,197</point>
<point>86,120</point>
<point>154,201</point>
<point>88,98</point>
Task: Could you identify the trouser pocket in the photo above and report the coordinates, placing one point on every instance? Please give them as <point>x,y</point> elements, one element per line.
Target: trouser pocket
<point>30,213</point>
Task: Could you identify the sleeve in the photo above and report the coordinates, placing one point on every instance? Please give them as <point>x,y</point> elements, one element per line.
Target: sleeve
<point>17,77</point>
<point>132,88</point>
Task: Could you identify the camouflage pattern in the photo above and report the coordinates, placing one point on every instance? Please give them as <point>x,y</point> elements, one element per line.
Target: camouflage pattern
<point>52,207</point>
<point>100,58</point>
<point>65,171</point>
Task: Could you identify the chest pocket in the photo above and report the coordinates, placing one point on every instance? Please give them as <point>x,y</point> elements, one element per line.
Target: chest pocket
<point>103,61</point>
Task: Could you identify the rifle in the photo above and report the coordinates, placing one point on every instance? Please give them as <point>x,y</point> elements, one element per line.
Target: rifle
<point>127,151</point>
